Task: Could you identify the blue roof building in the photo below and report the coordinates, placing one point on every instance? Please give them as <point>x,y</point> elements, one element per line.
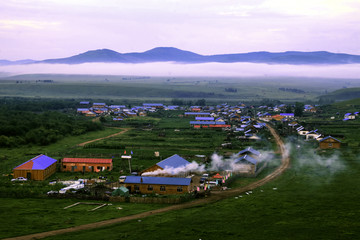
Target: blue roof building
<point>246,159</point>
<point>174,161</point>
<point>249,150</point>
<point>158,180</point>
<point>37,168</point>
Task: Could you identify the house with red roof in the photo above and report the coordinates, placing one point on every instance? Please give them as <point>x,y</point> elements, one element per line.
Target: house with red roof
<point>38,168</point>
<point>86,165</point>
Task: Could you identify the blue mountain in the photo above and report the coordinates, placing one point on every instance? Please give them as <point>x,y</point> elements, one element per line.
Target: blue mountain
<point>170,54</point>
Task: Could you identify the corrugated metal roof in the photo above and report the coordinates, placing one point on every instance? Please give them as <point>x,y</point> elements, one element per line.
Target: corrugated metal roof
<point>205,118</point>
<point>87,160</point>
<point>246,158</point>
<point>158,180</point>
<point>197,113</point>
<point>40,162</point>
<point>202,122</point>
<point>249,150</point>
<point>174,161</point>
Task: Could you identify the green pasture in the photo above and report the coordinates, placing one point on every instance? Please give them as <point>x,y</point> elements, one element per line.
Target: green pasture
<point>29,215</point>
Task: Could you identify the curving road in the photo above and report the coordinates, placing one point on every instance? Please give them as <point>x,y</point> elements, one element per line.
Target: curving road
<point>285,162</point>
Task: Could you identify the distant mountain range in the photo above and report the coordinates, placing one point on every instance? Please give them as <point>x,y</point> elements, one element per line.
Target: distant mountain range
<point>170,54</point>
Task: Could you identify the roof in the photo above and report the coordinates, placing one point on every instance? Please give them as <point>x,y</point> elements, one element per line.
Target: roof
<point>174,161</point>
<point>249,150</point>
<point>205,118</point>
<point>40,162</point>
<point>86,160</point>
<point>158,180</point>
<point>246,158</point>
<point>99,104</point>
<point>286,114</point>
<point>217,176</point>
<point>153,104</point>
<point>82,109</point>
<point>197,113</point>
<point>328,137</point>
<point>202,123</point>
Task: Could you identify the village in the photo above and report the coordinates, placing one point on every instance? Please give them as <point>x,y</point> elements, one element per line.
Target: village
<point>175,175</point>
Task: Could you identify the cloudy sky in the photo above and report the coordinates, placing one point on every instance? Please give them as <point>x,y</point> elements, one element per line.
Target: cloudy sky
<point>41,29</point>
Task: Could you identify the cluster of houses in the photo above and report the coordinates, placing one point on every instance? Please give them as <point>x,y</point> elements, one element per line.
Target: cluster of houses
<point>169,176</point>
<point>120,112</point>
<point>328,142</point>
<point>350,116</point>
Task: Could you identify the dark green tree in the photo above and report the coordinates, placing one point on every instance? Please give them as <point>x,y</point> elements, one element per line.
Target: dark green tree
<point>299,109</point>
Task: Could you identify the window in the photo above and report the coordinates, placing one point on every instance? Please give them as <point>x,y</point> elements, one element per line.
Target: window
<point>330,144</point>
<point>179,188</point>
<point>150,188</point>
<point>136,187</point>
<point>162,188</point>
<point>64,166</point>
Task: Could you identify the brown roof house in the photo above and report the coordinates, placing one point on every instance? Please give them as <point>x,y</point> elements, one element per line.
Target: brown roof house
<point>329,142</point>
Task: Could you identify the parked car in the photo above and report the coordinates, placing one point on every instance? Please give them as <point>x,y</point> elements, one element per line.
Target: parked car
<point>22,179</point>
<point>122,179</point>
<point>52,192</point>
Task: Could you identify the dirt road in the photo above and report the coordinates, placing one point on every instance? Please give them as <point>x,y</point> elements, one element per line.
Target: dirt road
<point>124,130</point>
<point>285,162</point>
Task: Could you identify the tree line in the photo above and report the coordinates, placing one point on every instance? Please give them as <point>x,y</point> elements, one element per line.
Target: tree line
<point>23,127</point>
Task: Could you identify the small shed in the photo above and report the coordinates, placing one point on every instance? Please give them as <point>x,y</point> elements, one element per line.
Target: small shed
<point>37,168</point>
<point>329,142</point>
<point>121,191</point>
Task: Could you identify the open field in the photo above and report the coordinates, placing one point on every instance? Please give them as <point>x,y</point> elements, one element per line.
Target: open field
<point>139,89</point>
<point>25,216</point>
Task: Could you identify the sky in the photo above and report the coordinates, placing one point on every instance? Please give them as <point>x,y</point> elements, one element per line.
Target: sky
<point>42,29</point>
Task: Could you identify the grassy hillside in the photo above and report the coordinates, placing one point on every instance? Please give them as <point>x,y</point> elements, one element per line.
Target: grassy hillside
<point>341,95</point>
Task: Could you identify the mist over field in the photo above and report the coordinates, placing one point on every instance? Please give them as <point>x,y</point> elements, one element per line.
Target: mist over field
<point>201,69</point>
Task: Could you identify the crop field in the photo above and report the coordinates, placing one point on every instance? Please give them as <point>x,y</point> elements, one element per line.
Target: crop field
<point>138,89</point>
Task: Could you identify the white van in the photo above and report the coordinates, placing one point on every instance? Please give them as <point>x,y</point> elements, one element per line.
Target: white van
<point>122,179</point>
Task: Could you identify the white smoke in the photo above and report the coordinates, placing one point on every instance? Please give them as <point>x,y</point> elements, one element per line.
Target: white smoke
<point>192,167</point>
<point>313,165</point>
<point>218,163</point>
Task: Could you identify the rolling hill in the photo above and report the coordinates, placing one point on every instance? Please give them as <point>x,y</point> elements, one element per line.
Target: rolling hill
<point>170,54</point>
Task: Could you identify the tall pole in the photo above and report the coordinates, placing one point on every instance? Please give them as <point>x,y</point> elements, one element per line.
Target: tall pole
<point>129,159</point>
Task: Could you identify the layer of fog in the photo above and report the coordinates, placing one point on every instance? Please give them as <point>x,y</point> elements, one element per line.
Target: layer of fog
<point>204,69</point>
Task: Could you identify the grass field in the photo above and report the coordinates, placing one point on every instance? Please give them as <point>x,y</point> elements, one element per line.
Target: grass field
<point>26,216</point>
